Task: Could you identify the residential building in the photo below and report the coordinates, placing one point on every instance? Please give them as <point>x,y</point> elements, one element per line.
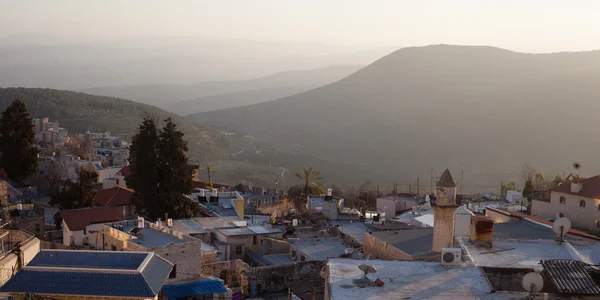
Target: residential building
<point>185,252</point>
<point>321,249</point>
<point>395,205</point>
<point>329,206</point>
<point>579,201</point>
<point>69,274</point>
<point>83,227</point>
<point>117,197</point>
<point>235,241</point>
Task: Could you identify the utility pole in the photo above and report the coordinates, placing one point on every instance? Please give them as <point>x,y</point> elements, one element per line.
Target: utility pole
<point>417,186</point>
<point>461,181</point>
<point>210,185</point>
<point>431,183</point>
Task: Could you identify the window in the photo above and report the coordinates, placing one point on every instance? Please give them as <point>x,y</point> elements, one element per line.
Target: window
<point>598,224</point>
<point>114,248</point>
<point>84,230</point>
<point>562,200</point>
<point>302,258</point>
<point>598,206</point>
<point>117,181</point>
<point>581,203</point>
<point>254,240</point>
<point>238,250</point>
<point>37,227</point>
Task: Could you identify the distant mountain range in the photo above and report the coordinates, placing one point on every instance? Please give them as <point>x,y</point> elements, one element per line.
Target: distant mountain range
<point>214,95</point>
<point>480,109</point>
<point>147,61</point>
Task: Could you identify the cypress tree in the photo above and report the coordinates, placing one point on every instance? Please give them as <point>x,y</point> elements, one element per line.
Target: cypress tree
<point>17,143</point>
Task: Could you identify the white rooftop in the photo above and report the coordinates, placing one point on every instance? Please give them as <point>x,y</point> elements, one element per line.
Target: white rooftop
<point>522,253</point>
<point>407,280</point>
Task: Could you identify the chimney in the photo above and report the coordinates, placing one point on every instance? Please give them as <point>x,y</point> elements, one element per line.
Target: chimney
<point>576,186</point>
<point>444,212</point>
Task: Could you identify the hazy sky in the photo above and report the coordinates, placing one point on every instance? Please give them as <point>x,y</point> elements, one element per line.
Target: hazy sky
<point>524,25</point>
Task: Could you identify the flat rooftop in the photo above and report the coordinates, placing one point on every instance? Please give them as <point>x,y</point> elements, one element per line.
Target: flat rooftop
<point>148,237</point>
<point>224,208</point>
<point>407,280</point>
<point>414,242</point>
<point>322,248</point>
<point>352,228</point>
<point>210,223</point>
<point>250,230</point>
<point>188,226</point>
<point>526,253</point>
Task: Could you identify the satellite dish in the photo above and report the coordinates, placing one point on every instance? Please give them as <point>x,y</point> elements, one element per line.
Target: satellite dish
<point>532,282</point>
<point>367,269</point>
<point>561,226</point>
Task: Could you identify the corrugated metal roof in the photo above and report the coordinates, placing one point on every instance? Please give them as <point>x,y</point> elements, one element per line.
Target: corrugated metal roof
<point>570,277</point>
<point>190,289</point>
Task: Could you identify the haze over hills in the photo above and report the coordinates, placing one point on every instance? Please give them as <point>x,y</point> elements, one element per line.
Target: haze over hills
<point>233,157</point>
<point>154,60</point>
<point>272,86</point>
<point>481,109</point>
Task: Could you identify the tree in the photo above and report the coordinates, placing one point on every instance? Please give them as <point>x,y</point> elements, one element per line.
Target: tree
<point>78,147</point>
<point>143,163</point>
<point>17,143</point>
<point>79,194</point>
<point>527,172</point>
<point>162,175</point>
<point>528,190</point>
<point>310,177</point>
<point>175,174</point>
<point>539,181</point>
<point>507,186</point>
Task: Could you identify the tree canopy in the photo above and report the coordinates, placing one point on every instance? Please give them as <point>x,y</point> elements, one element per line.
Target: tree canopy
<point>161,175</point>
<point>78,194</point>
<point>17,142</point>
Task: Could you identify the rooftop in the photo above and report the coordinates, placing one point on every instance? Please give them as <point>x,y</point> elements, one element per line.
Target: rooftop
<point>590,188</point>
<point>67,272</point>
<point>188,226</point>
<point>78,219</point>
<point>250,230</point>
<point>354,229</point>
<point>114,196</point>
<point>407,280</point>
<point>322,248</point>
<point>224,207</point>
<point>210,223</point>
<point>149,237</point>
<point>525,253</point>
<point>414,242</point>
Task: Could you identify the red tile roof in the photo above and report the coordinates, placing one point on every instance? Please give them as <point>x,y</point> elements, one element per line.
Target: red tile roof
<point>542,221</point>
<point>114,196</point>
<point>126,171</point>
<point>78,219</point>
<point>591,188</point>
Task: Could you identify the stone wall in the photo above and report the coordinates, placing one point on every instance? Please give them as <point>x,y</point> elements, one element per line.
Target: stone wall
<point>273,246</point>
<point>3,192</point>
<point>268,278</point>
<point>187,256</point>
<point>379,249</point>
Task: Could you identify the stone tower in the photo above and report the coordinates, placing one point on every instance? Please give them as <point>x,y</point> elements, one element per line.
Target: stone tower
<point>444,208</point>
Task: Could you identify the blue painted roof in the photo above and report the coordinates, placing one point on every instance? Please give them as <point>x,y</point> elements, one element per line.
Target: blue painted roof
<point>89,259</point>
<point>190,289</point>
<point>92,273</point>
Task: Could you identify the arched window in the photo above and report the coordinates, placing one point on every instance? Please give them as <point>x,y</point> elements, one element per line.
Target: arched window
<point>581,203</point>
<point>562,200</point>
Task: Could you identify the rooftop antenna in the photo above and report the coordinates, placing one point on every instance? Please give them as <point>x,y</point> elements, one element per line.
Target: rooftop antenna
<point>561,226</point>
<point>532,282</point>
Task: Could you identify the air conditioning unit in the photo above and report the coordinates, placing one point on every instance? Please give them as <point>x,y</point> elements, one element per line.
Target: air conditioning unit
<point>451,256</point>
